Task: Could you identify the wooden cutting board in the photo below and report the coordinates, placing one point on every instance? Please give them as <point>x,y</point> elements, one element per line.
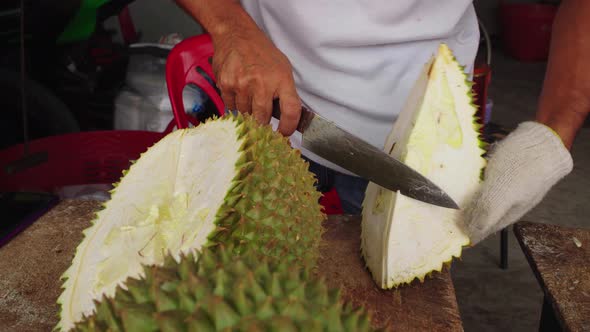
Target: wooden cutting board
<point>31,264</point>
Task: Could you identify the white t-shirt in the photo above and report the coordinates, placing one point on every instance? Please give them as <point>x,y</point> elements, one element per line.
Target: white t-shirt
<point>355,62</point>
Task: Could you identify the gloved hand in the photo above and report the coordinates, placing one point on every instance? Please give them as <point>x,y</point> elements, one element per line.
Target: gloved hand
<point>521,169</point>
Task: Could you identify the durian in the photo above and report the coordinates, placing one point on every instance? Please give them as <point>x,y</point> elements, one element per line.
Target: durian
<point>227,181</point>
<point>436,133</point>
<point>222,291</point>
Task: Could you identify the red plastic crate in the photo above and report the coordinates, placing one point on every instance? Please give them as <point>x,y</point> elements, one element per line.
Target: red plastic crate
<point>96,157</point>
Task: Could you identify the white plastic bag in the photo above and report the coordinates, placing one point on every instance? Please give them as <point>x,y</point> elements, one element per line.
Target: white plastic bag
<point>144,104</point>
<point>135,112</point>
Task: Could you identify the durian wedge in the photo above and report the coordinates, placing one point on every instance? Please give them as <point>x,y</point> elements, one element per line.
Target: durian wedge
<point>404,239</point>
<point>227,181</point>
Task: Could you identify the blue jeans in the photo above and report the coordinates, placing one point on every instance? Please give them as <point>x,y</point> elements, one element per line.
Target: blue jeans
<point>350,189</point>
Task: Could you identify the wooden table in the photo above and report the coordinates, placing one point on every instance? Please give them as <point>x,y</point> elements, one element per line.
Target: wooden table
<point>560,259</point>
<point>31,264</point>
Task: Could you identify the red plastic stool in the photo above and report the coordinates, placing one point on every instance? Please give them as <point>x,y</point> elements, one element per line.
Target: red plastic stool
<point>182,68</point>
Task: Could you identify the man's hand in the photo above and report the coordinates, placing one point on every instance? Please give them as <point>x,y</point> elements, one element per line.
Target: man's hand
<point>250,71</point>
<point>521,170</point>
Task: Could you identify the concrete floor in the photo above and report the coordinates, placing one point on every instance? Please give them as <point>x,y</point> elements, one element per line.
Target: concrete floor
<point>492,299</point>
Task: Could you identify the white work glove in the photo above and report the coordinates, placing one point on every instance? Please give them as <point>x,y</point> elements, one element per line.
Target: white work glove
<point>521,169</point>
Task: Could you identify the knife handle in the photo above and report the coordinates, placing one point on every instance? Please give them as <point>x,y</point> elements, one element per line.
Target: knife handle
<point>304,120</point>
<point>276,109</point>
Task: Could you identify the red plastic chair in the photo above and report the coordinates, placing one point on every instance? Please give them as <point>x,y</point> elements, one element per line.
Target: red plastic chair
<point>182,68</point>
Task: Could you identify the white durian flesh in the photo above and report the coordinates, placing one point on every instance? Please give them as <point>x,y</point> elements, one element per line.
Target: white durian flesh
<point>166,203</point>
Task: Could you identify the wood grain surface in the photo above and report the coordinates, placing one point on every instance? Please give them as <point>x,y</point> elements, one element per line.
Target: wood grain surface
<point>560,259</point>
<point>31,265</point>
<point>428,306</point>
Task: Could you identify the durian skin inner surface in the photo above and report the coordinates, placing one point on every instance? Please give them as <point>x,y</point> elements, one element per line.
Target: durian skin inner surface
<point>405,239</point>
<point>149,215</point>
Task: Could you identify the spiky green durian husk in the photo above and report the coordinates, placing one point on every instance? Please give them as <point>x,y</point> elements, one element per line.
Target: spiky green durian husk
<point>222,291</point>
<point>273,204</point>
<point>270,205</point>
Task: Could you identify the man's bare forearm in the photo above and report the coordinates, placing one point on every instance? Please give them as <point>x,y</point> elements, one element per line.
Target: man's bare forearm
<point>214,16</point>
<point>565,99</point>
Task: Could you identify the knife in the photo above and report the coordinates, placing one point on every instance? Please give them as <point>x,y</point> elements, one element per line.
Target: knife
<point>338,146</point>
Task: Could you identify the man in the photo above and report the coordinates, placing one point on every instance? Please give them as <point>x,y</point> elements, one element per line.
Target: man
<point>354,63</point>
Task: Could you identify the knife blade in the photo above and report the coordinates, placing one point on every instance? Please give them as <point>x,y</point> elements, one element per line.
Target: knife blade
<point>325,139</point>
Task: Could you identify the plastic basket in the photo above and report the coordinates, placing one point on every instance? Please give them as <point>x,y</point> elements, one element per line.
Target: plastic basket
<point>96,157</point>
